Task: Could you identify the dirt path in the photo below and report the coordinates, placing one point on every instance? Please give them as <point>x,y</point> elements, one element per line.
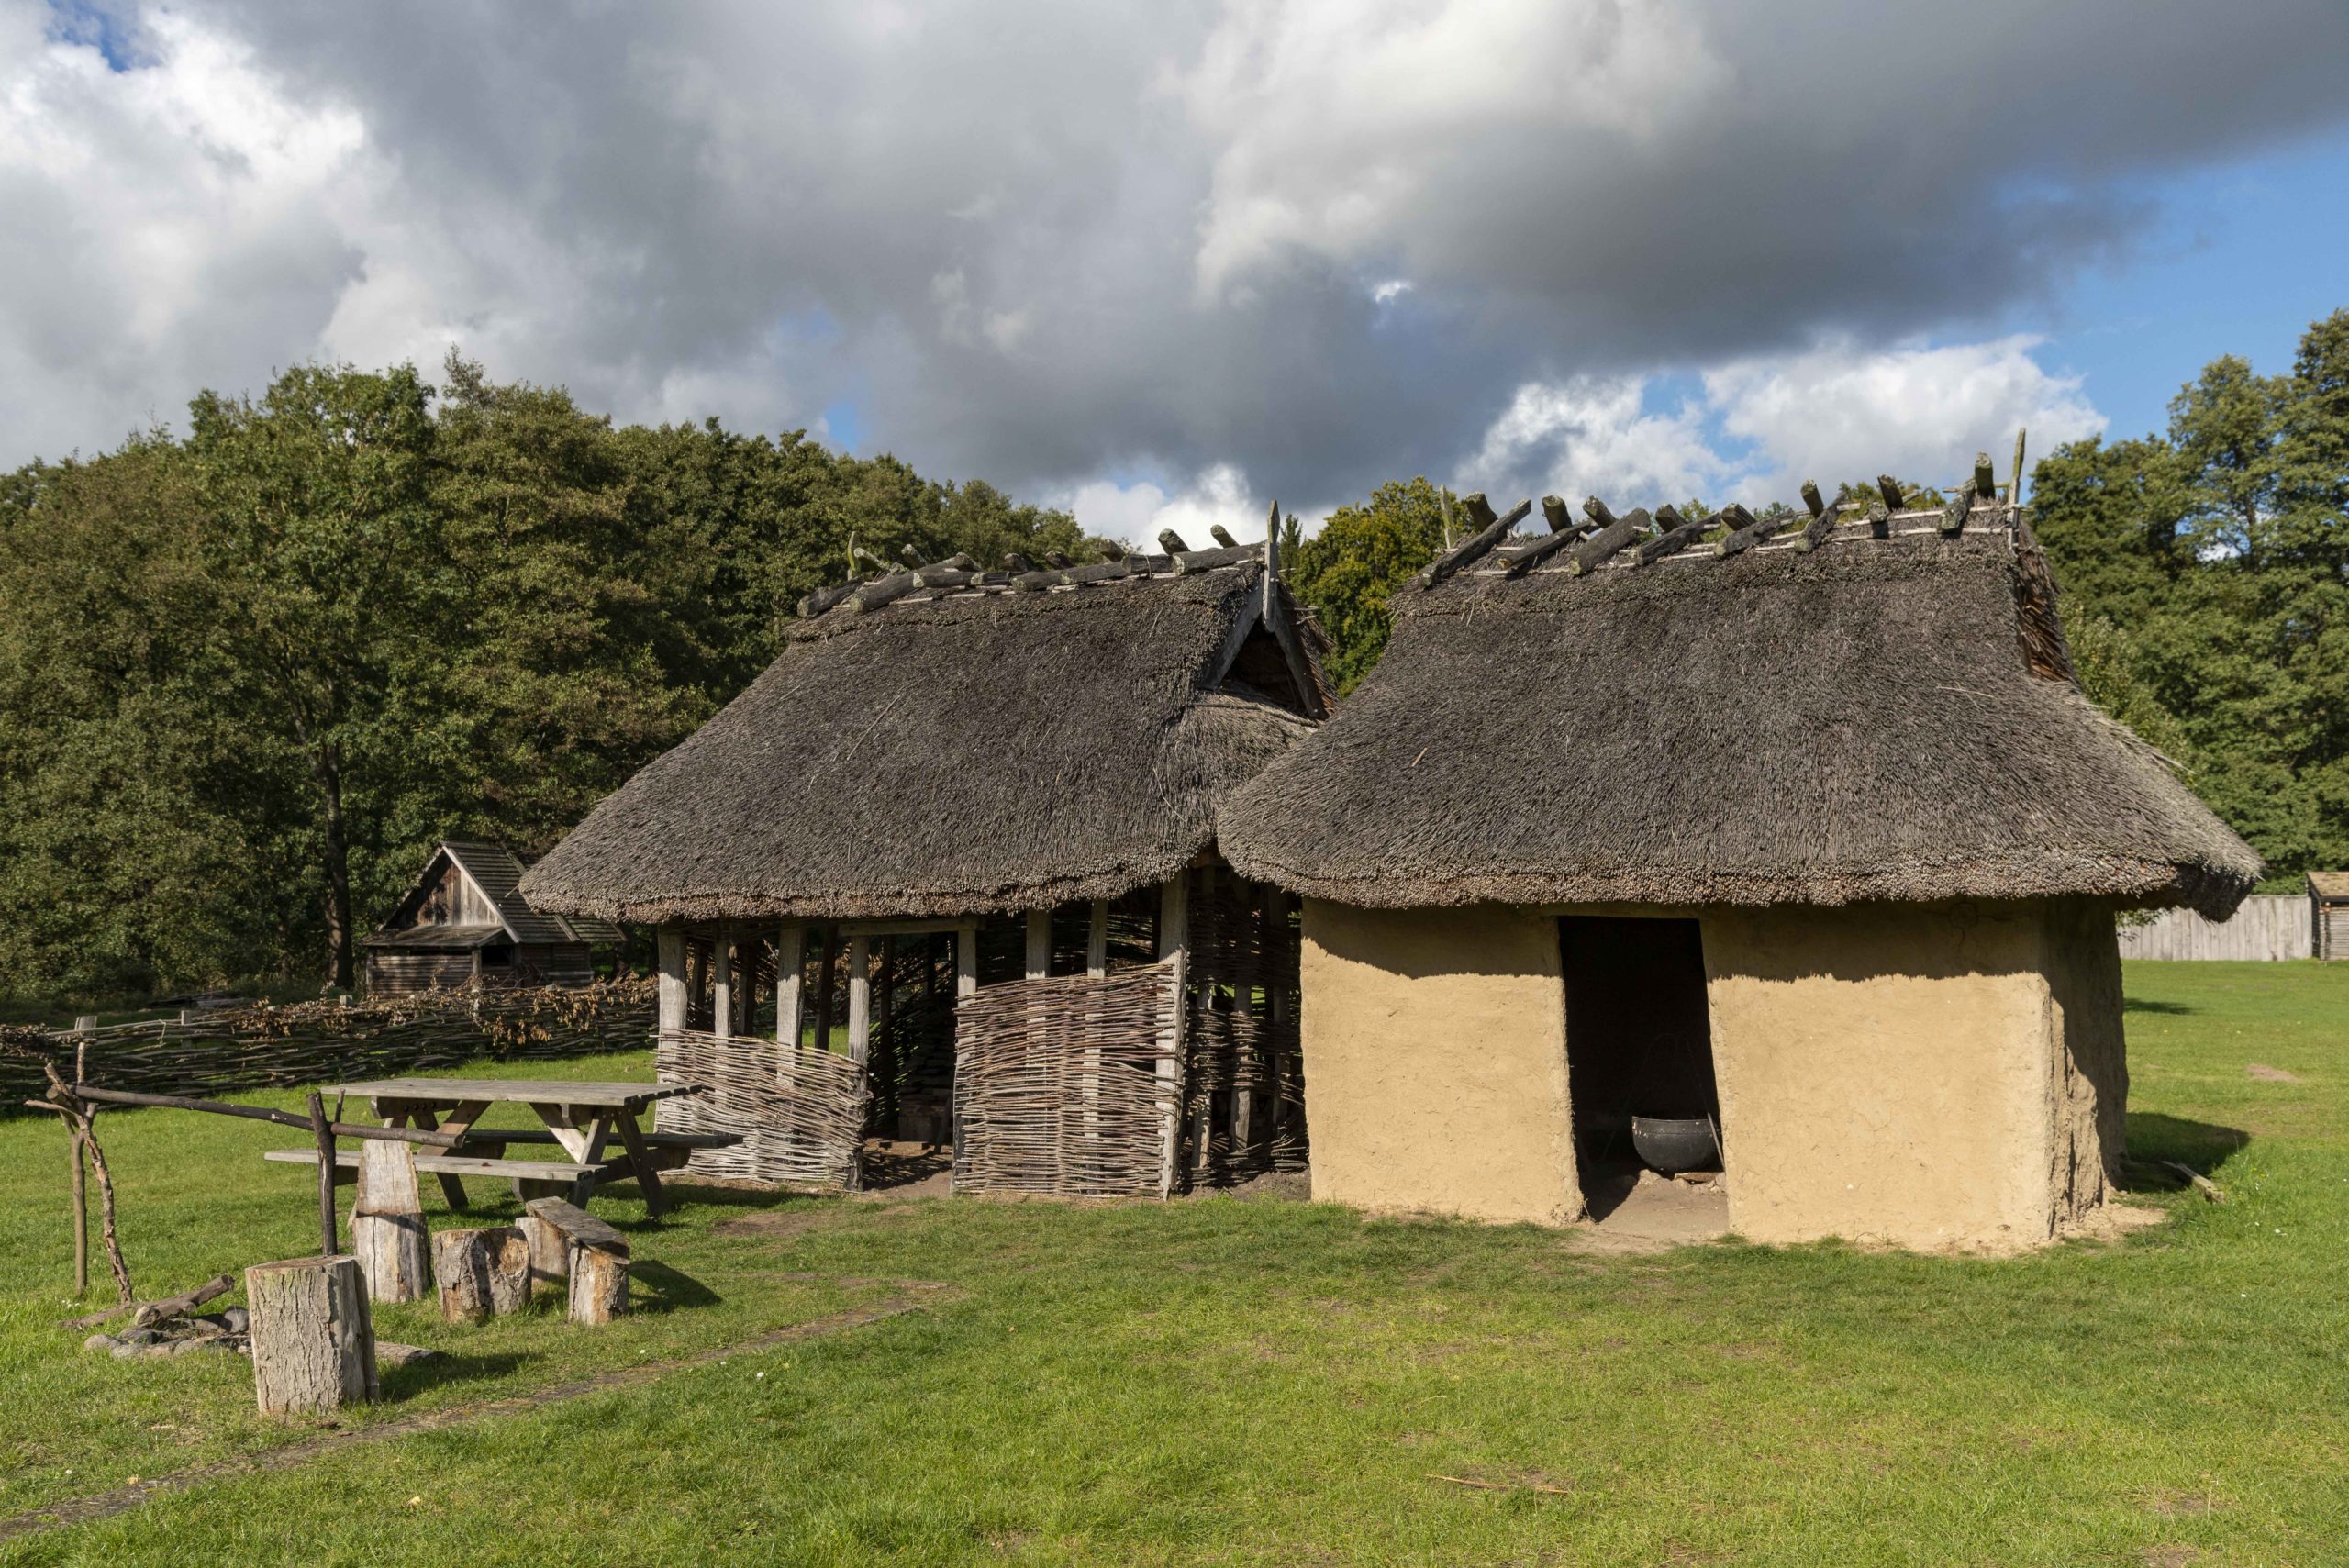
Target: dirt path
<point>914,1295</point>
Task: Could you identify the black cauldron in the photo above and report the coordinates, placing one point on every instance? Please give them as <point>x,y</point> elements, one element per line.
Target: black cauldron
<point>1672,1144</point>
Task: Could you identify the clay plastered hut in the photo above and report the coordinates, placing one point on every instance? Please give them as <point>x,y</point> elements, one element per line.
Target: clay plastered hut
<point>464,921</point>
<point>1810,832</point>
<point>946,873</point>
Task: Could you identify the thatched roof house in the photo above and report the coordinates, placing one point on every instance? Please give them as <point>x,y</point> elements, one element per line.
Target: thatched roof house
<point>1010,775</point>
<point>1850,770</point>
<point>971,753</point>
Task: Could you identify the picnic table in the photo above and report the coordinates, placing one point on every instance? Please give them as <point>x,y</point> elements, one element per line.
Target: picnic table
<point>579,1119</point>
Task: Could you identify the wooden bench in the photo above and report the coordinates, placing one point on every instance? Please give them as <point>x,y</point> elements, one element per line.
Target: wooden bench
<point>530,1178</point>
<point>567,1241</point>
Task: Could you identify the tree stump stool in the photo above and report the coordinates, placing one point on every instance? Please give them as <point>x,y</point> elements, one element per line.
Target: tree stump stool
<point>595,1256</point>
<point>312,1339</point>
<point>481,1273</point>
<point>387,1231</point>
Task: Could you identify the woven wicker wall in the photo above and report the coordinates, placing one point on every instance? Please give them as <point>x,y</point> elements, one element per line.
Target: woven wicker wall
<point>799,1112</point>
<point>317,1042</point>
<point>1057,1086</point>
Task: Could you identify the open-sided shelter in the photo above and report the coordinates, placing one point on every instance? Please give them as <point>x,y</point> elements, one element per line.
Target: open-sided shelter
<point>964,826</point>
<point>464,920</point>
<point>1808,830</point>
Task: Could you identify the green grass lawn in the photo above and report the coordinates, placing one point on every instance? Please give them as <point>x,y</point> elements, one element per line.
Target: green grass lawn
<point>1276,1383</point>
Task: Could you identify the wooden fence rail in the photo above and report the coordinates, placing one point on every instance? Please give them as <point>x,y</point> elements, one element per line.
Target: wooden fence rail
<point>2269,926</point>
<point>314,1042</point>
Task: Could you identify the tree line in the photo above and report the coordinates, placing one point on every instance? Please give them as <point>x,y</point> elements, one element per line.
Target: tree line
<point>249,674</point>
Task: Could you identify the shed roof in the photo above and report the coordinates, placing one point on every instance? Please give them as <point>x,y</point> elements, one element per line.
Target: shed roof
<point>2329,885</point>
<point>497,871</point>
<point>964,748</point>
<point>1827,720</point>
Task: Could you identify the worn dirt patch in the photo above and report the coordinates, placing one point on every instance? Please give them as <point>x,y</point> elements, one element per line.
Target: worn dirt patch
<point>2170,1556</point>
<point>2267,1074</point>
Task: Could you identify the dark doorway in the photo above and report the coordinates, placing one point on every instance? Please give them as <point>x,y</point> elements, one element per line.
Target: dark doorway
<point>1639,1041</point>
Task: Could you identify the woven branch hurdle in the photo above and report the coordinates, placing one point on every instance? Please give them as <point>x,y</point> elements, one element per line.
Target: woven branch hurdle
<point>798,1111</point>
<point>312,1042</point>
<point>1056,1085</point>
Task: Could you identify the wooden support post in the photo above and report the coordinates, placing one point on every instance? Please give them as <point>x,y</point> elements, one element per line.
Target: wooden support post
<point>721,984</point>
<point>671,943</point>
<point>324,1135</point>
<point>312,1339</point>
<point>81,1184</point>
<point>1276,1007</point>
<point>859,1000</point>
<point>387,1232</point>
<point>827,951</point>
<point>1174,941</point>
<point>481,1273</point>
<point>1096,939</point>
<point>1040,943</point>
<point>790,965</point>
<point>80,1211</point>
<point>966,959</point>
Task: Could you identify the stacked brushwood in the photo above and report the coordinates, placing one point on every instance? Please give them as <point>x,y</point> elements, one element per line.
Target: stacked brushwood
<point>1060,1085</point>
<point>268,1046</point>
<point>799,1111</point>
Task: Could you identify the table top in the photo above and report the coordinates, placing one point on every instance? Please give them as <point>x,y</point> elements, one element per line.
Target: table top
<point>513,1090</point>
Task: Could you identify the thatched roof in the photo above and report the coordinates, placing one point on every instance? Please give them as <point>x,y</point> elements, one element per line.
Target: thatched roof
<point>984,745</point>
<point>1884,711</point>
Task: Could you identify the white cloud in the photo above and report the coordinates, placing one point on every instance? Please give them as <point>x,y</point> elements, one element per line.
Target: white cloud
<point>1134,513</point>
<point>1756,427</point>
<point>1319,242</point>
<point>1918,412</point>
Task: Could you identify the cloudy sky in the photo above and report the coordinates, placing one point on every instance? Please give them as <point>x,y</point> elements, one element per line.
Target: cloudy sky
<point>1164,260</point>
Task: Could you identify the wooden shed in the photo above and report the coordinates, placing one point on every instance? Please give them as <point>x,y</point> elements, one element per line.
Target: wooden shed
<point>465,920</point>
<point>2329,913</point>
<point>1799,833</point>
<point>946,874</point>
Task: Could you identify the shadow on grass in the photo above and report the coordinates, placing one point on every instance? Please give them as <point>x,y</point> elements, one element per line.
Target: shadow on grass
<point>2147,1005</point>
<point>657,1288</point>
<point>455,1366</point>
<point>2200,1146</point>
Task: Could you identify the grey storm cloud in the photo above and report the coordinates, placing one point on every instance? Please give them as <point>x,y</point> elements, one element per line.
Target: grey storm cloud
<point>1324,241</point>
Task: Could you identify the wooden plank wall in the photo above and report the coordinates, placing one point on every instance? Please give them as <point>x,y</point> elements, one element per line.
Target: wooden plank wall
<point>2269,926</point>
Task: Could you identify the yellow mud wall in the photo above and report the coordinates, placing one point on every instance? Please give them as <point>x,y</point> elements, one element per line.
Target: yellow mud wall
<point>1435,1045</point>
<point>1929,1075</point>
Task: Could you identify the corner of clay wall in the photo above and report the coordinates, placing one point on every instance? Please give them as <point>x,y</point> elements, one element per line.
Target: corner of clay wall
<point>1435,1044</point>
<point>1886,1071</point>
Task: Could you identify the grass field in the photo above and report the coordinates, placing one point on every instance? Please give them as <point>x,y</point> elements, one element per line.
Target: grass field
<point>1221,1381</point>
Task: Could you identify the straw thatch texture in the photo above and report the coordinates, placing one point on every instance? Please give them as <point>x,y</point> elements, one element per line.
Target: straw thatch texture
<point>942,757</point>
<point>1859,722</point>
<point>798,1111</point>
<point>318,1042</point>
<point>1057,1085</point>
